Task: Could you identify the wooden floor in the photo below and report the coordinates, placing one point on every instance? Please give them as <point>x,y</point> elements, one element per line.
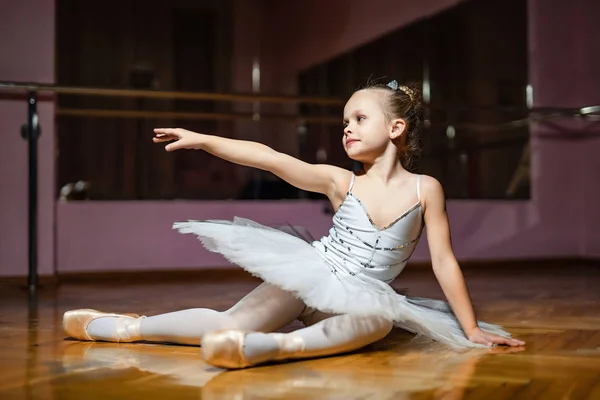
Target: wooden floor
<point>556,309</point>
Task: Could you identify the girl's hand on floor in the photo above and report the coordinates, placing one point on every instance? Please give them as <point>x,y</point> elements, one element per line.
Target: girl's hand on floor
<point>477,335</point>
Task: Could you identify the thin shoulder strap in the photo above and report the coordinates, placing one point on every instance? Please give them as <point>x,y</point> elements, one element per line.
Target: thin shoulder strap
<point>351,183</point>
<point>419,188</point>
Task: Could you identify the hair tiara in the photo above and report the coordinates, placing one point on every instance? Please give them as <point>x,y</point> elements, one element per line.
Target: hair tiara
<point>408,91</point>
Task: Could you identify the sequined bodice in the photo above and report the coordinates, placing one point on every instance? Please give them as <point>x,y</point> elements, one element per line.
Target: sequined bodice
<point>356,245</point>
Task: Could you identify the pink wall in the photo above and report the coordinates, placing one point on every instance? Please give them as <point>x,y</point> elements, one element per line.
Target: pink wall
<point>27,37</point>
<point>104,236</point>
<point>590,212</point>
<point>564,65</point>
<point>27,43</point>
<point>98,236</point>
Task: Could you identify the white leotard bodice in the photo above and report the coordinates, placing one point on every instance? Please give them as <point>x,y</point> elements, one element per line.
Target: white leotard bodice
<point>355,245</point>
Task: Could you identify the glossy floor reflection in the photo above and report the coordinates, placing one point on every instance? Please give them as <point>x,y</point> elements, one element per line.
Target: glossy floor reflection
<point>556,311</point>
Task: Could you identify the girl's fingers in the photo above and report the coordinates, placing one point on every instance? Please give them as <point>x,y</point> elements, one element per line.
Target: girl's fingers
<point>172,147</point>
<point>164,130</point>
<point>512,342</point>
<point>506,341</point>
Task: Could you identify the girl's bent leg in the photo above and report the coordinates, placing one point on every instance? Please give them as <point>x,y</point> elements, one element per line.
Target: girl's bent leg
<point>264,309</point>
<point>340,334</point>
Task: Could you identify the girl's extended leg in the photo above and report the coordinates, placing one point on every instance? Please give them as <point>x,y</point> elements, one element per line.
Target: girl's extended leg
<point>333,335</point>
<point>265,309</point>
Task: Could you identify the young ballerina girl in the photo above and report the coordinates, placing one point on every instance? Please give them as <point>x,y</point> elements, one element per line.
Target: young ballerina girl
<point>337,286</point>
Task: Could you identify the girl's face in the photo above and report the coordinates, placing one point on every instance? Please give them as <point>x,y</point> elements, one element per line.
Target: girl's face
<point>367,132</point>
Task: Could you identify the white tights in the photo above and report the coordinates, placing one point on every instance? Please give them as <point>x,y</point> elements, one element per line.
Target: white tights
<point>265,309</point>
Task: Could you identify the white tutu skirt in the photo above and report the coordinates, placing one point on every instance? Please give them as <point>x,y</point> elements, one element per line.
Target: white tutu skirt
<point>293,264</point>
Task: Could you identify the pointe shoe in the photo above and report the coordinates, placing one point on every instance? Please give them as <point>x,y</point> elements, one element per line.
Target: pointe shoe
<point>75,323</point>
<point>225,348</point>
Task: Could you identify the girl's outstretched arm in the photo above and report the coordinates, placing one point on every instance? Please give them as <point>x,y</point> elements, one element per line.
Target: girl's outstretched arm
<point>446,268</point>
<point>315,178</point>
